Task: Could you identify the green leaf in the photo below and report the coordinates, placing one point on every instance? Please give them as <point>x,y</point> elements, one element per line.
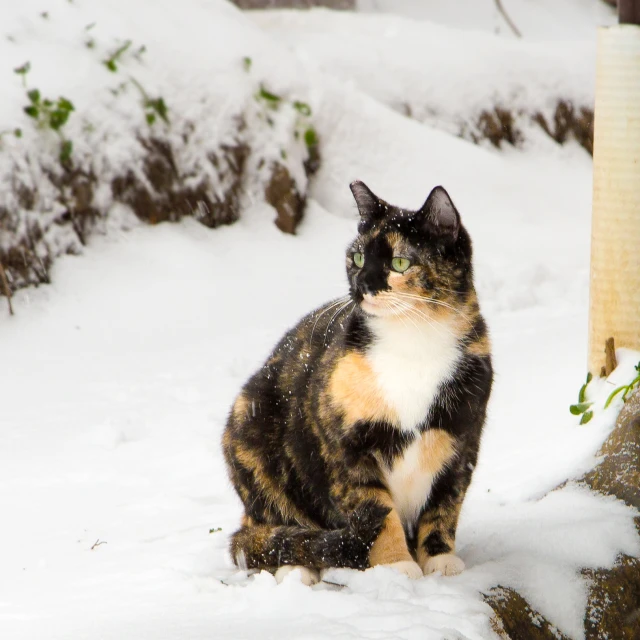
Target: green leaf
<point>302,107</point>
<point>613,395</point>
<point>246,63</point>
<point>268,96</point>
<point>66,148</point>
<point>151,118</point>
<point>586,417</point>
<point>589,377</point>
<point>32,112</point>
<point>47,103</point>
<point>111,65</point>
<point>283,154</point>
<point>310,137</point>
<point>215,530</point>
<point>159,106</point>
<point>581,407</point>
<point>65,105</point>
<point>17,132</point>
<point>58,118</point>
<point>23,69</point>
<point>581,394</point>
<point>34,96</point>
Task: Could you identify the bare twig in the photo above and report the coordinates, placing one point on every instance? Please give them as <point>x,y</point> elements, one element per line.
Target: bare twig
<point>507,19</point>
<point>610,356</point>
<point>6,288</point>
<point>97,543</point>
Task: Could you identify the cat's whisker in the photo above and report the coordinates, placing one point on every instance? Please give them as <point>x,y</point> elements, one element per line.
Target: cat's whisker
<point>410,309</point>
<point>430,321</point>
<point>335,315</point>
<point>333,305</point>
<point>436,302</point>
<point>402,315</point>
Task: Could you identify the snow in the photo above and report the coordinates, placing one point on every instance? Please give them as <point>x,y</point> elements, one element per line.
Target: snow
<point>546,20</point>
<point>425,70</point>
<point>117,379</point>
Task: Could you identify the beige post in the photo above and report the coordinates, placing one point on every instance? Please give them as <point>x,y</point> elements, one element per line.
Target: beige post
<point>615,234</point>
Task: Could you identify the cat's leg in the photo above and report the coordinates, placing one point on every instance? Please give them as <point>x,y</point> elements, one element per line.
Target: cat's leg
<point>390,547</point>
<point>438,523</point>
<point>308,577</point>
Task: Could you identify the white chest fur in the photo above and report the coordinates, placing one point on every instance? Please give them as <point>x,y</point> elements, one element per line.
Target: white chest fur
<point>410,363</point>
<point>409,484</point>
<point>410,477</point>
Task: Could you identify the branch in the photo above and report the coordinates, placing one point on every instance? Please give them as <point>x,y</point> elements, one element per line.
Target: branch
<point>5,286</point>
<point>507,19</point>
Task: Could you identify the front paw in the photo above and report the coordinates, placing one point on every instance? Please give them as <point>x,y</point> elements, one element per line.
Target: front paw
<point>447,564</point>
<point>407,567</point>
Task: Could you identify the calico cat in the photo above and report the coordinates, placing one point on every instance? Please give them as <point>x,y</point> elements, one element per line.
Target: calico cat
<point>353,446</point>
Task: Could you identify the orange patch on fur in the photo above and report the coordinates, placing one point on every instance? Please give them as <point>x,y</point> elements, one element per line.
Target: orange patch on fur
<point>480,347</point>
<point>354,390</point>
<point>438,448</point>
<point>391,545</point>
<point>240,408</point>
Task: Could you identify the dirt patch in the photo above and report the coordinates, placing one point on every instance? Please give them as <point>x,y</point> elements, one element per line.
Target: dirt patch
<point>501,125</point>
<point>283,195</point>
<point>569,122</point>
<point>161,194</point>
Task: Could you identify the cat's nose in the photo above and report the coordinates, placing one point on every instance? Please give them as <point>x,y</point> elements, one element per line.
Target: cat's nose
<point>367,290</point>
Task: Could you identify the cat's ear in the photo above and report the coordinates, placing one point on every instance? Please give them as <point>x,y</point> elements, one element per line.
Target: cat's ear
<point>440,215</point>
<point>369,205</point>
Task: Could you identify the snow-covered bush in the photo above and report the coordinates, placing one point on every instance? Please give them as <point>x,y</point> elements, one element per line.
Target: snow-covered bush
<point>104,124</point>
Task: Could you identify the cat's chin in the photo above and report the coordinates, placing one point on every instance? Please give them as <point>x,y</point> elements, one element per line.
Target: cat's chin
<point>377,310</point>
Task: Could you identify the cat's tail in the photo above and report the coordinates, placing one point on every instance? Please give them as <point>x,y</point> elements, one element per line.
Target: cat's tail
<point>265,546</point>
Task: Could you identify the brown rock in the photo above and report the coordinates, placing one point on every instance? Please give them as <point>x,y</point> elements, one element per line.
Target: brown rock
<point>613,610</point>
<point>613,606</point>
<point>516,620</point>
<point>618,473</point>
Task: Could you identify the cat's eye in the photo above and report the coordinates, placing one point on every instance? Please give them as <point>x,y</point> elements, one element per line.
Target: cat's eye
<point>358,259</point>
<point>400,264</point>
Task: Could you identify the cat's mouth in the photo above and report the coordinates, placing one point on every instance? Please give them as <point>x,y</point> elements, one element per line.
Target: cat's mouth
<point>377,306</point>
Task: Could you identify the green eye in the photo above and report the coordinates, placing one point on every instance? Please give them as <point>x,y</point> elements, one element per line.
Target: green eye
<point>400,264</point>
<point>358,258</point>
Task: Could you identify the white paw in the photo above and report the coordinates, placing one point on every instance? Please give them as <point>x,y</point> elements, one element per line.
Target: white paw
<point>307,576</point>
<point>407,567</point>
<point>446,563</point>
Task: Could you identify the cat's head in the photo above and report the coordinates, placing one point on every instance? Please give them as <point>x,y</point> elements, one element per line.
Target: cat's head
<point>409,263</point>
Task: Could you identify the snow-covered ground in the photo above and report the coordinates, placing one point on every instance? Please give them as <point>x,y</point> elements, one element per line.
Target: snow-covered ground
<point>116,381</point>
